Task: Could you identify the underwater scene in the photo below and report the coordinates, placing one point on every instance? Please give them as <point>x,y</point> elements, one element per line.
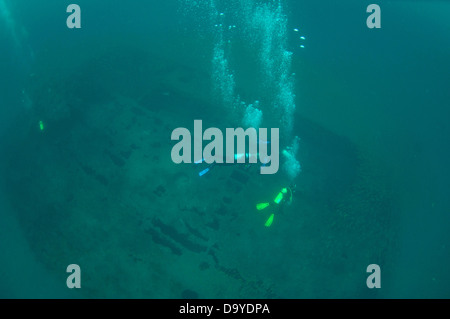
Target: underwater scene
<point>224,149</point>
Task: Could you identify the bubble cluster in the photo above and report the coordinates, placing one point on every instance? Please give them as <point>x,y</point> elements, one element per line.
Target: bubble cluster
<point>263,27</point>
<point>291,165</point>
<point>253,116</point>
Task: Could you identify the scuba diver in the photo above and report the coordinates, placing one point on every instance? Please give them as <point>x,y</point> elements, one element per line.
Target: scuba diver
<point>234,160</point>
<point>284,197</point>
